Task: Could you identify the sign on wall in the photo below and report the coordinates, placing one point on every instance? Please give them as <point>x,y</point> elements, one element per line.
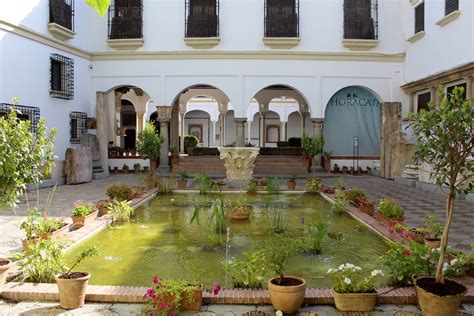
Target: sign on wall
<point>353,111</point>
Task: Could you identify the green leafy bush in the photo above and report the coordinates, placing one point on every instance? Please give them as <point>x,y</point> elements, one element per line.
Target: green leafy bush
<point>251,186</point>
<point>204,183</point>
<point>149,144</point>
<point>190,141</point>
<point>249,272</point>
<point>390,208</point>
<point>294,142</point>
<point>282,143</point>
<point>312,185</point>
<point>83,209</point>
<point>354,195</point>
<point>120,192</point>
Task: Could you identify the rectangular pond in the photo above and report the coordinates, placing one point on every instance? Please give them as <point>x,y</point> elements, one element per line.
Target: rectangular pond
<point>161,241</point>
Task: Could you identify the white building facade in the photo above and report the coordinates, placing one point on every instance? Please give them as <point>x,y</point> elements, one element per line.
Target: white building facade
<point>243,71</point>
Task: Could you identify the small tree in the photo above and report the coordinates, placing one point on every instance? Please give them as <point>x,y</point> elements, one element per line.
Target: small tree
<point>149,145</point>
<point>445,141</point>
<point>25,157</point>
<point>312,146</point>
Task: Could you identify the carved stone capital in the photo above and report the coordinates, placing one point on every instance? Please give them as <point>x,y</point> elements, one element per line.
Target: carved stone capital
<point>239,162</point>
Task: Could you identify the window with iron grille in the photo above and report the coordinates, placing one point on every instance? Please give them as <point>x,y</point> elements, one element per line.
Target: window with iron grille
<point>31,113</point>
<point>281,18</point>
<point>62,12</point>
<point>449,90</point>
<point>126,19</point>
<point>202,18</point>
<point>422,101</point>
<point>61,77</point>
<point>77,122</point>
<point>360,19</point>
<point>450,6</point>
<point>420,18</point>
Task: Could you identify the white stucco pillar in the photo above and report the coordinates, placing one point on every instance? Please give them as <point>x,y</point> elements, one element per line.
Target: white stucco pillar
<point>317,132</point>
<point>240,131</point>
<point>264,128</point>
<point>181,132</point>
<point>283,131</point>
<point>140,121</point>
<point>222,127</point>
<point>102,130</point>
<point>164,117</point>
<point>249,131</point>
<point>213,134</point>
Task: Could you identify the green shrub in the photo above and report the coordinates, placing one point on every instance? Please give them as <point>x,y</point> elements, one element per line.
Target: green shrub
<point>190,141</point>
<point>353,195</point>
<point>390,208</point>
<point>282,144</point>
<point>251,186</point>
<point>312,185</point>
<point>83,209</point>
<point>121,211</point>
<point>120,192</point>
<point>204,182</point>
<point>294,142</point>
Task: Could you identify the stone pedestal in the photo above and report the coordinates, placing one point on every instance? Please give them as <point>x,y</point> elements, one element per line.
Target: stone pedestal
<point>239,162</point>
<point>78,165</point>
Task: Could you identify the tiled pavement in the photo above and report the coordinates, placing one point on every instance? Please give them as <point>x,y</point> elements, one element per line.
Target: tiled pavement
<point>417,205</point>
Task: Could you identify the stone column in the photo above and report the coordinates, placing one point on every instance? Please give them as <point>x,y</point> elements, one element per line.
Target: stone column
<point>240,131</point>
<point>164,117</point>
<point>411,107</point>
<point>213,134</point>
<point>434,95</point>
<point>222,127</point>
<point>102,130</point>
<point>174,137</point>
<point>249,131</point>
<point>283,131</point>
<point>317,132</point>
<point>264,128</point>
<point>140,121</point>
<point>181,132</point>
<point>303,122</point>
<point>469,89</point>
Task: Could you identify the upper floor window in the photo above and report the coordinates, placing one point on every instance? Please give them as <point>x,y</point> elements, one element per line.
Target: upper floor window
<point>281,18</point>
<point>450,6</point>
<point>126,19</point>
<point>61,77</point>
<point>202,18</point>
<point>62,12</point>
<point>360,19</point>
<point>420,18</point>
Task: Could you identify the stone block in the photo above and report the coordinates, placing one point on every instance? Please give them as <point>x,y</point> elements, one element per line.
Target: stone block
<point>78,165</point>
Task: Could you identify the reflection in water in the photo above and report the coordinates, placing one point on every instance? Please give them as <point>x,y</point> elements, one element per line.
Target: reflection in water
<point>160,241</point>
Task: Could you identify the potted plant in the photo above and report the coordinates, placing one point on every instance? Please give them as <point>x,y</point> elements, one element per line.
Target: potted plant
<point>31,228</point>
<point>190,141</point>
<point>461,265</point>
<point>344,170</point>
<point>433,231</point>
<point>312,186</point>
<point>251,187</point>
<point>327,161</point>
<point>445,140</point>
<point>103,207</point>
<point>354,195</point>
<point>286,292</point>
<point>83,214</point>
<point>149,145</point>
<point>125,168</point>
<point>174,156</point>
<point>115,169</point>
<point>72,286</point>
<point>52,227</point>
<point>5,264</point>
<point>390,211</point>
<point>238,210</point>
<point>291,183</point>
<point>312,146</point>
<point>121,211</point>
<point>365,205</point>
<point>353,291</point>
<point>120,192</point>
<point>337,169</point>
<point>137,167</point>
<point>168,297</point>
<point>182,182</point>
<point>263,181</point>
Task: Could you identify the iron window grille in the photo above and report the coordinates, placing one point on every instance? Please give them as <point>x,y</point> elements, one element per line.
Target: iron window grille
<point>77,123</point>
<point>62,12</point>
<point>451,6</point>
<point>126,19</point>
<point>62,77</point>
<point>282,18</point>
<point>31,113</point>
<point>420,18</point>
<point>201,18</point>
<point>361,19</point>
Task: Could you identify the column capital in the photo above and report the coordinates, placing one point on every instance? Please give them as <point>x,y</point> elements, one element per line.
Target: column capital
<point>140,112</point>
<point>163,112</point>
<point>317,120</point>
<point>240,119</point>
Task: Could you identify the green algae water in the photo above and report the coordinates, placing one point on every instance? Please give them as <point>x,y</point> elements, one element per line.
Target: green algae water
<point>160,241</point>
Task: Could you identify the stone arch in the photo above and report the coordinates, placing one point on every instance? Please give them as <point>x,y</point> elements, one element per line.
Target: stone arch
<point>266,94</point>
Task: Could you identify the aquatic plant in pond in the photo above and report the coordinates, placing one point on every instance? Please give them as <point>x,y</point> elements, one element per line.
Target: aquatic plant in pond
<point>276,220</point>
<point>313,236</point>
<point>214,223</point>
<point>160,241</point>
<point>249,272</point>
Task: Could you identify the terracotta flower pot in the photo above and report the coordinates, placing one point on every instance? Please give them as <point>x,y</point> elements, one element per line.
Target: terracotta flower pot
<point>287,299</point>
<point>192,301</point>
<point>354,302</point>
<point>80,221</point>
<point>182,183</point>
<point>5,264</point>
<point>291,185</point>
<point>367,208</point>
<point>26,243</point>
<point>102,211</point>
<point>57,233</point>
<point>433,243</point>
<point>240,216</point>
<point>434,305</point>
<point>72,292</point>
<point>418,237</point>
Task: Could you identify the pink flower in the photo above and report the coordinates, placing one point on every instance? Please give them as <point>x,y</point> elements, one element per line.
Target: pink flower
<point>155,280</point>
<point>161,306</point>
<point>216,288</point>
<point>152,313</point>
<point>150,292</point>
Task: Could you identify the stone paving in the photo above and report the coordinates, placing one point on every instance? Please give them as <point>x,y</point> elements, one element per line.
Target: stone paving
<point>43,309</point>
<point>417,205</point>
